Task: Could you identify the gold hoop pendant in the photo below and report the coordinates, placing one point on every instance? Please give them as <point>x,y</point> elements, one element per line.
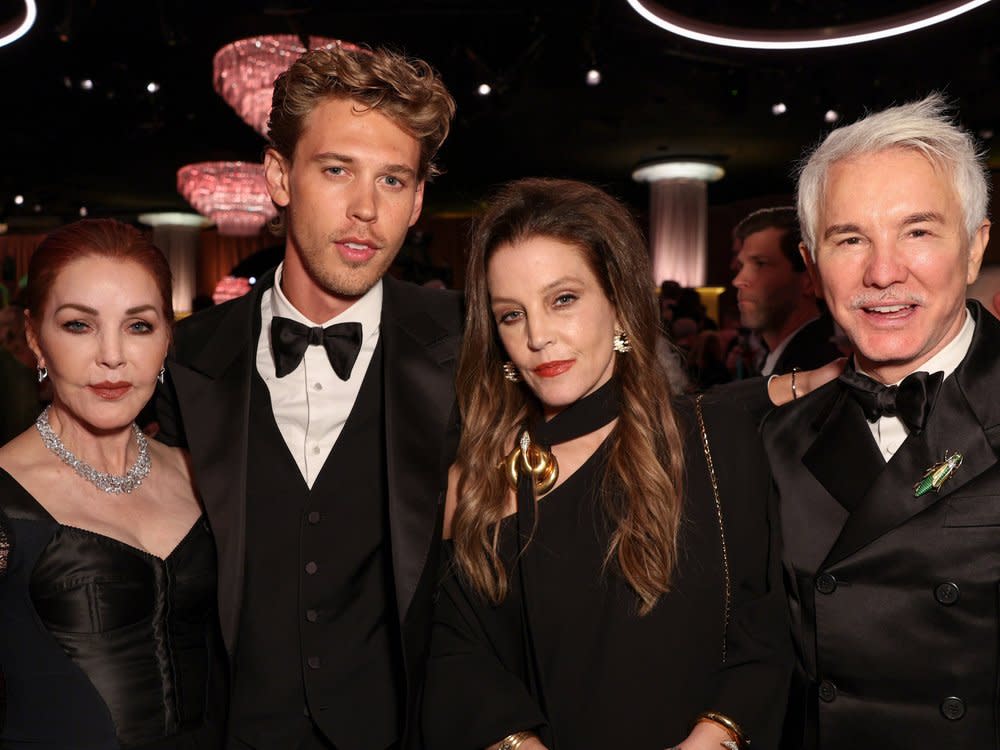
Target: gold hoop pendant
<point>538,462</point>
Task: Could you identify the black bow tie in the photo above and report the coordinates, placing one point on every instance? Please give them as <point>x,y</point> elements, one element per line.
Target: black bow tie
<point>911,400</point>
<point>290,339</point>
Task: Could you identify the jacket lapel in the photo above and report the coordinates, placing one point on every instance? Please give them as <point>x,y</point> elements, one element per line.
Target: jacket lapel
<point>213,393</point>
<point>964,412</point>
<point>844,457</point>
<point>419,402</point>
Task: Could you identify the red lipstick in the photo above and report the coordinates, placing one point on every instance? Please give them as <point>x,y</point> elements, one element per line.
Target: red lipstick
<point>110,391</point>
<point>554,368</point>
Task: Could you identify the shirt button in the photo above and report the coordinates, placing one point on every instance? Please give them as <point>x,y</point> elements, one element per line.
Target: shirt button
<point>947,593</point>
<point>315,450</point>
<point>313,517</point>
<point>312,615</point>
<point>826,583</point>
<point>827,691</point>
<point>311,567</point>
<point>317,386</point>
<point>953,708</point>
<point>313,662</point>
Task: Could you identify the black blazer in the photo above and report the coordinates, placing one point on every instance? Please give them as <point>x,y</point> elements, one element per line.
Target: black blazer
<point>810,348</point>
<point>893,597</point>
<point>204,406</point>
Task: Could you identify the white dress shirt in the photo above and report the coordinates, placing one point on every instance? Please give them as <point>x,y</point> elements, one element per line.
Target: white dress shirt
<point>890,432</point>
<point>311,403</point>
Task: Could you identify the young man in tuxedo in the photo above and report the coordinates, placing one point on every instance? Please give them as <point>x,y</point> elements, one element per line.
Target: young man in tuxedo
<point>888,476</point>
<point>318,410</point>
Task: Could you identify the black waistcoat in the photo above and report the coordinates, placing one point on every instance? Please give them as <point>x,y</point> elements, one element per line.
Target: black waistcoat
<point>319,644</point>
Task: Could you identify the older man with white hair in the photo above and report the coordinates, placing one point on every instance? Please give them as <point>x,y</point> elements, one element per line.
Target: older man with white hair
<point>888,477</point>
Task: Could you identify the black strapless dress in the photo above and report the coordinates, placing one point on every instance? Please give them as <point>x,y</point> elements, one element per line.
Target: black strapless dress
<point>103,645</point>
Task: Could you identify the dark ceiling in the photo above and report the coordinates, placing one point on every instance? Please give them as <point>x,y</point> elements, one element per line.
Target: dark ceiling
<point>116,148</point>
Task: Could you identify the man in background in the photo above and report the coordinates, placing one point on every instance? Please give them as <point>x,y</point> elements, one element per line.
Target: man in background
<point>776,297</point>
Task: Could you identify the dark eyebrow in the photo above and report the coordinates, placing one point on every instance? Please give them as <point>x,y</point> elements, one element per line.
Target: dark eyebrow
<point>91,311</point>
<point>840,229</point>
<point>141,308</point>
<point>545,290</point>
<point>561,281</point>
<point>922,217</point>
<point>74,306</point>
<point>333,156</point>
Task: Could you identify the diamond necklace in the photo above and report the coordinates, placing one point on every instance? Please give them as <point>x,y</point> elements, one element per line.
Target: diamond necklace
<point>113,484</point>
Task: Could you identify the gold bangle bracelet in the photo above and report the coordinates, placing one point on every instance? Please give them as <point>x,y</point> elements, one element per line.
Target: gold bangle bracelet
<point>513,741</point>
<point>728,724</point>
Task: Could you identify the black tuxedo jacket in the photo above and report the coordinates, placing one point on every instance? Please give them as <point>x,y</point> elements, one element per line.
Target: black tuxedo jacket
<point>810,348</point>
<point>205,404</point>
<point>894,598</point>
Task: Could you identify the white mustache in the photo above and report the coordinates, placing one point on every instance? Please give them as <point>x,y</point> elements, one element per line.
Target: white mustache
<point>901,297</point>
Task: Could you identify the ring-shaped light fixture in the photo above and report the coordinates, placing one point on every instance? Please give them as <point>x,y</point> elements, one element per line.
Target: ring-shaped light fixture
<point>678,169</point>
<point>830,36</point>
<point>13,31</point>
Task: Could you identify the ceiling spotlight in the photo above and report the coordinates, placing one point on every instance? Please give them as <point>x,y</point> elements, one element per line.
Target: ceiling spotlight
<point>87,84</point>
<point>593,77</point>
<point>986,134</point>
<point>83,212</point>
<point>67,82</point>
<point>38,208</point>
<point>152,87</point>
<point>831,116</point>
<point>484,89</point>
<point>18,200</point>
<point>778,109</point>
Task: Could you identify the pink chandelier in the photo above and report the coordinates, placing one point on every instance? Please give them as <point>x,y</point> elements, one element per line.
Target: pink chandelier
<point>244,71</point>
<point>233,194</point>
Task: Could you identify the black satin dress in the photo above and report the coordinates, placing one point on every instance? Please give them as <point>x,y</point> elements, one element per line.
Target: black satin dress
<point>102,645</point>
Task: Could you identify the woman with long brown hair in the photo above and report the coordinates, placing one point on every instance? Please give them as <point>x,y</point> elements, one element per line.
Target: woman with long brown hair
<point>613,580</point>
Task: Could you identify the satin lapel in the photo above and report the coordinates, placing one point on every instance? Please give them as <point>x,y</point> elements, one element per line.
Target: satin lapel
<point>213,393</point>
<point>802,440</point>
<point>965,408</point>
<point>844,457</point>
<point>419,398</point>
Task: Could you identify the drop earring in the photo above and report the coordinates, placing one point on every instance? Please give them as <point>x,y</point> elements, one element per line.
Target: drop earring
<point>620,342</point>
<point>510,372</point>
<point>161,374</point>
<point>43,372</point>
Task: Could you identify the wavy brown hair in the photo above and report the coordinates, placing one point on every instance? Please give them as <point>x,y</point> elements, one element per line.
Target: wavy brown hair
<point>641,493</point>
<point>407,91</point>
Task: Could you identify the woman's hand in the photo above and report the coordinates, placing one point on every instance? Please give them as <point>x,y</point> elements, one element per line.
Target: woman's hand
<point>779,388</point>
<point>530,743</point>
<point>706,735</point>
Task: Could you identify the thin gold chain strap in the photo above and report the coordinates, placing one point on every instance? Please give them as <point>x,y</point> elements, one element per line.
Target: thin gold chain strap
<point>722,527</point>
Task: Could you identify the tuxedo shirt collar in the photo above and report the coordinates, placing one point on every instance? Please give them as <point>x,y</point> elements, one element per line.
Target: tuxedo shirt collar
<point>366,310</point>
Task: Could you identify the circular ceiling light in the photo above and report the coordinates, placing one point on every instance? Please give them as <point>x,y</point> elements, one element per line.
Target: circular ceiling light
<point>831,36</point>
<point>18,27</point>
<point>678,170</point>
